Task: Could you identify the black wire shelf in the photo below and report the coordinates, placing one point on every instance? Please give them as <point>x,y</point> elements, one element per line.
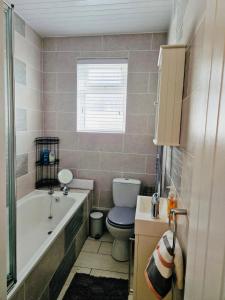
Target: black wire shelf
<point>47,161</point>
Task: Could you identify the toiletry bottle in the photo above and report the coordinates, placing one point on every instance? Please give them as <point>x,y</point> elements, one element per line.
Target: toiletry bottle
<point>51,157</point>
<point>45,157</point>
<point>172,201</point>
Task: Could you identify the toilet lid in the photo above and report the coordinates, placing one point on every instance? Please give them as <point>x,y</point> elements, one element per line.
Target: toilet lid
<point>122,215</point>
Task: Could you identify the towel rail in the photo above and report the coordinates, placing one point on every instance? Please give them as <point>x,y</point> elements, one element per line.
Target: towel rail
<point>173,216</point>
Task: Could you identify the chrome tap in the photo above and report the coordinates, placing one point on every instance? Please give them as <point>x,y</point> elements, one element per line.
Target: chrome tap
<point>65,190</point>
<point>51,190</point>
<point>155,205</point>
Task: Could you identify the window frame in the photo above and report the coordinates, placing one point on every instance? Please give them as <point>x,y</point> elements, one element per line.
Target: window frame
<point>109,61</point>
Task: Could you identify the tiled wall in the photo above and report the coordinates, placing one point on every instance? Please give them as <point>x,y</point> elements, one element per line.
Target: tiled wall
<point>179,161</point>
<point>103,156</point>
<point>28,102</point>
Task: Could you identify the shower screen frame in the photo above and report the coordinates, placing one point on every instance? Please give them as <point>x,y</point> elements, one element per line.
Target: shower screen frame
<point>10,149</point>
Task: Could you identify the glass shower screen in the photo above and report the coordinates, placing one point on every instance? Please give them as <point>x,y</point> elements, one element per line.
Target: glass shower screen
<point>10,146</point>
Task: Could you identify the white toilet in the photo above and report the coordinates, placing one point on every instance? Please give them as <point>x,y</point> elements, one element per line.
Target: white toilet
<point>120,219</point>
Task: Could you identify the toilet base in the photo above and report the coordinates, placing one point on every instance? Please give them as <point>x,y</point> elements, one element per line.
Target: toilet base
<point>120,250</point>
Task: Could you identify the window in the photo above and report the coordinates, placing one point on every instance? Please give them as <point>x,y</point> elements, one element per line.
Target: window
<point>101,95</point>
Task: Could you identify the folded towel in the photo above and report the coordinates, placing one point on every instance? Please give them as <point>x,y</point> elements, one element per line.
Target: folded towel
<point>165,259</point>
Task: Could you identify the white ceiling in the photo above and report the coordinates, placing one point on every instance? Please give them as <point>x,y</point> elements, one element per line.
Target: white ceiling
<point>92,17</point>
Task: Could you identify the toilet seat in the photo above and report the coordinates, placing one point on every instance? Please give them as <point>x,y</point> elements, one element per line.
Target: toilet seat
<point>121,217</point>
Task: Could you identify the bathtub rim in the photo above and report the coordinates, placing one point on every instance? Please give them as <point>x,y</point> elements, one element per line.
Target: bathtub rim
<point>34,260</point>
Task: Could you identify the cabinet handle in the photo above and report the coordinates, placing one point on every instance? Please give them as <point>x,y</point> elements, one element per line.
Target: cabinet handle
<point>156,103</point>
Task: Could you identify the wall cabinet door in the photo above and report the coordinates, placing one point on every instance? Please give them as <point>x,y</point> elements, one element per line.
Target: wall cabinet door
<point>169,99</point>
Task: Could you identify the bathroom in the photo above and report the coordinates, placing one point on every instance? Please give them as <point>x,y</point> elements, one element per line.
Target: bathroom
<point>105,104</point>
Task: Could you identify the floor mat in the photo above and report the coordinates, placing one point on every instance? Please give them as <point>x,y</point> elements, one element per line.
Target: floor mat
<point>87,287</point>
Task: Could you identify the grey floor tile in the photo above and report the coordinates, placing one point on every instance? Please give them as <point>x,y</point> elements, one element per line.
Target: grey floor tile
<point>105,248</point>
<point>91,246</point>
<point>101,262</point>
<point>102,273</point>
<point>107,237</point>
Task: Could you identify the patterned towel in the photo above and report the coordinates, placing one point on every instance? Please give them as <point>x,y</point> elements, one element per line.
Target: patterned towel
<point>159,271</point>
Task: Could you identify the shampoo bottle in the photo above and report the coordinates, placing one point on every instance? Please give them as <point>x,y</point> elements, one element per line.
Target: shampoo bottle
<point>172,201</point>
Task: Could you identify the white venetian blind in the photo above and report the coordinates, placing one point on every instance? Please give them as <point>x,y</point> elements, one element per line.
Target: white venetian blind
<point>101,95</point>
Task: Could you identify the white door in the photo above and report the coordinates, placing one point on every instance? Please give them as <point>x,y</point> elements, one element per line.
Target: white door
<point>205,275</point>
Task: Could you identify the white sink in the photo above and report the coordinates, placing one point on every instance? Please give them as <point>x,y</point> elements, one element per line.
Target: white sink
<point>144,223</point>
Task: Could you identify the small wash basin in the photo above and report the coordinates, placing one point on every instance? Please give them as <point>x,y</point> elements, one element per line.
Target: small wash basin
<point>144,223</point>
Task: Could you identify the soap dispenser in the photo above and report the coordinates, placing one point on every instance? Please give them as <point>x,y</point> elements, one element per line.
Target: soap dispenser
<point>172,201</point>
<point>155,206</point>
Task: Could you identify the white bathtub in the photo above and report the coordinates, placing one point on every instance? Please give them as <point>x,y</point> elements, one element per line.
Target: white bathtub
<point>40,218</point>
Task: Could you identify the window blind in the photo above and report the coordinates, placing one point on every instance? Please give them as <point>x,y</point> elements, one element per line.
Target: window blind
<point>101,95</point>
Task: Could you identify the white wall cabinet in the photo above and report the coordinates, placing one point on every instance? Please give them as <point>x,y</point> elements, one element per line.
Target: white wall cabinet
<point>170,89</point>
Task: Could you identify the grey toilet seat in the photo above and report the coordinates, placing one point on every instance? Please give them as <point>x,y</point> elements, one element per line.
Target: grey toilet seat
<point>121,217</point>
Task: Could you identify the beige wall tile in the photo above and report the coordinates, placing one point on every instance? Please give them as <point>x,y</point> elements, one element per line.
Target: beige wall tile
<point>137,124</point>
<point>106,199</point>
<point>159,39</point>
<point>67,159</point>
<point>79,43</point>
<point>50,44</point>
<point>142,104</point>
<point>66,82</point>
<point>140,144</point>
<point>143,61</point>
<point>49,82</point>
<point>101,141</point>
<point>122,162</point>
<point>104,54</point>
<point>112,161</point>
<point>60,61</point>
<point>66,121</point>
<point>50,121</point>
<point>127,42</point>
<point>34,78</point>
<point>153,83</point>
<point>31,162</point>
<point>25,185</point>
<point>151,165</point>
<point>87,160</point>
<point>137,82</point>
<point>33,37</point>
<point>34,120</point>
<point>68,139</point>
<point>49,102</point>
<point>80,160</point>
<point>103,179</point>
<point>134,163</point>
<point>146,179</point>
<point>22,142</point>
<point>66,102</point>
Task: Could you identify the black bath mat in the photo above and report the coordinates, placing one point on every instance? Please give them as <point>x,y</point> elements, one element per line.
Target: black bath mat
<point>86,287</point>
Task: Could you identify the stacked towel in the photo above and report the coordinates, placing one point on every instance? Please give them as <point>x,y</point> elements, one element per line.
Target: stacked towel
<point>165,259</point>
